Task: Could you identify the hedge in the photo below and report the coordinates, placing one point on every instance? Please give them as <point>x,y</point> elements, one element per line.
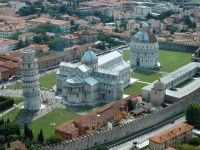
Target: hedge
<point>5,102</point>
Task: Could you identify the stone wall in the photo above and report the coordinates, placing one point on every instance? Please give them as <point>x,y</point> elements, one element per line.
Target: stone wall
<point>177,47</point>
<point>130,128</point>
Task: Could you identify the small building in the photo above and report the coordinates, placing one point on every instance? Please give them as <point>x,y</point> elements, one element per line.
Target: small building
<point>171,137</point>
<point>26,37</point>
<point>17,4</point>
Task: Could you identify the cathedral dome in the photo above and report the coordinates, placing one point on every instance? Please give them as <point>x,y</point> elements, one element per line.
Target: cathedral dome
<point>159,85</point>
<point>89,57</point>
<point>144,35</point>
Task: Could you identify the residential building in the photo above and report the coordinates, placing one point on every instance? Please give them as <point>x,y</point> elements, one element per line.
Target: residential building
<point>8,11</point>
<point>171,137</point>
<point>17,4</point>
<point>142,11</point>
<point>8,45</point>
<point>9,30</point>
<point>28,36</point>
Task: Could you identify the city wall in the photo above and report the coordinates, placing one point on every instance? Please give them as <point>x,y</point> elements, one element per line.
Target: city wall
<point>178,47</point>
<point>130,128</point>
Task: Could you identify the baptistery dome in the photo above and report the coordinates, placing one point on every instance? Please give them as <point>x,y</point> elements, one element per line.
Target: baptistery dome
<point>89,57</point>
<point>144,35</point>
<point>144,49</point>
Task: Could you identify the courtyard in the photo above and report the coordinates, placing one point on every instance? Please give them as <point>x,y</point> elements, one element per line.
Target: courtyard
<point>169,60</point>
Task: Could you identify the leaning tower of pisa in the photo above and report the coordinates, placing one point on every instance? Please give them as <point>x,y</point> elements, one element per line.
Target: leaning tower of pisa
<point>30,80</point>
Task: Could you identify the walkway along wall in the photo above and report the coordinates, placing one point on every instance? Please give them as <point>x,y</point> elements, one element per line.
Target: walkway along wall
<point>130,128</point>
<point>178,47</point>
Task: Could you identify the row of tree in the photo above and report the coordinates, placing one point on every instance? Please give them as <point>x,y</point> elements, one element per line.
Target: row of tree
<point>193,114</point>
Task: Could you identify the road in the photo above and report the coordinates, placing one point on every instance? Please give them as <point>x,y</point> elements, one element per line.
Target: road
<point>127,143</point>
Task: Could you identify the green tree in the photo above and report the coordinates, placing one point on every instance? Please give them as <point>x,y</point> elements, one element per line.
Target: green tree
<point>172,28</point>
<point>195,141</point>
<point>2,139</point>
<point>55,139</point>
<point>40,136</point>
<point>186,19</point>
<point>30,134</point>
<point>12,137</point>
<point>2,122</point>
<point>165,14</point>
<point>57,44</point>
<point>193,114</point>
<point>131,105</point>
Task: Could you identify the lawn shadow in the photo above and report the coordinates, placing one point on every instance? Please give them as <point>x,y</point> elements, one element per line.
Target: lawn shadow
<point>25,116</point>
<point>145,71</point>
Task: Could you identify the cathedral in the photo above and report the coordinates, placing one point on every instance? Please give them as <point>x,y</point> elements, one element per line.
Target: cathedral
<point>95,79</point>
<point>144,49</point>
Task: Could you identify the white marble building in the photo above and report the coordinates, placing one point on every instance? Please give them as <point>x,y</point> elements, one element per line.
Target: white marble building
<point>94,80</point>
<point>144,49</point>
<point>30,80</point>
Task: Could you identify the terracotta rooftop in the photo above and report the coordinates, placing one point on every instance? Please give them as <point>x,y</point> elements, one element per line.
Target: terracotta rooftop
<point>11,18</point>
<point>7,10</point>
<point>18,145</point>
<point>97,116</point>
<point>9,65</point>
<point>6,42</point>
<point>3,69</point>
<point>171,133</point>
<point>170,148</point>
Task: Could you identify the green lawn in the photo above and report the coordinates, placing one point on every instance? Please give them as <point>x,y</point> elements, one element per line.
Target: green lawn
<point>145,75</point>
<point>172,60</point>
<point>126,55</point>
<point>47,81</point>
<point>134,88</point>
<point>187,147</point>
<point>18,100</point>
<point>56,116</point>
<point>11,115</point>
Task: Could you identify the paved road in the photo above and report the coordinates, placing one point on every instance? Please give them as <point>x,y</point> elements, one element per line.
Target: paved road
<point>144,135</point>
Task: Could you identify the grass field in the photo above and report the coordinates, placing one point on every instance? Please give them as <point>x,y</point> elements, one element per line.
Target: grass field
<point>170,60</point>
<point>11,115</point>
<point>17,100</point>
<point>47,81</point>
<point>146,76</point>
<point>126,55</point>
<point>133,89</point>
<point>57,116</point>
